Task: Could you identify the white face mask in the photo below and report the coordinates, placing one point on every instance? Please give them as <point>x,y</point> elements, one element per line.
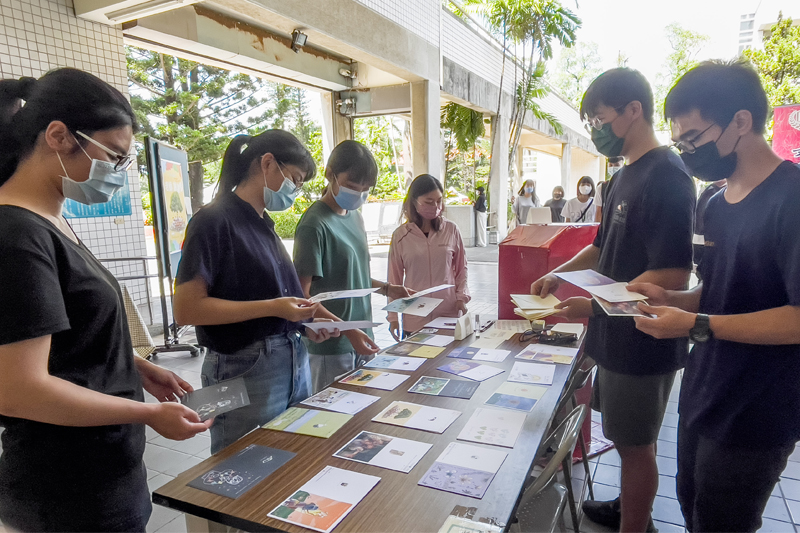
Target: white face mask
<point>585,189</point>
<point>103,182</point>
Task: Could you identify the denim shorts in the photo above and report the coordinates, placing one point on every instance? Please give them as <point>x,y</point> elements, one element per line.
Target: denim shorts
<point>276,373</point>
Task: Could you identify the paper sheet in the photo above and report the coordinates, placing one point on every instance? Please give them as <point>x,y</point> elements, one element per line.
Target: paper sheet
<point>600,285</point>
<point>395,362</point>
<point>479,354</point>
<point>490,426</point>
<point>530,302</point>
<point>415,350</point>
<point>516,396</point>
<point>421,306</point>
<point>316,327</point>
<point>576,329</point>
<point>308,422</point>
<point>384,451</point>
<point>546,353</point>
<point>416,416</point>
<point>514,326</point>
<point>464,469</point>
<point>470,370</point>
<point>340,401</point>
<point>442,322</point>
<point>429,291</point>
<point>430,339</point>
<point>374,379</point>
<point>539,373</point>
<point>334,295</point>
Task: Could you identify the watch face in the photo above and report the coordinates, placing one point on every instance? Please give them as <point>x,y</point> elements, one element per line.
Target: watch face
<point>699,336</point>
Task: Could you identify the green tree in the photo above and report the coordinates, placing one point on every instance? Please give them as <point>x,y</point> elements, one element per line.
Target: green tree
<point>778,63</point>
<point>463,127</point>
<point>575,70</point>
<point>381,135</point>
<point>686,46</point>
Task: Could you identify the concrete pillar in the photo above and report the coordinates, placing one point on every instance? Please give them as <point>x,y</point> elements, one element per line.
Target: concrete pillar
<point>328,142</point>
<point>566,166</point>
<point>426,148</point>
<point>498,175</point>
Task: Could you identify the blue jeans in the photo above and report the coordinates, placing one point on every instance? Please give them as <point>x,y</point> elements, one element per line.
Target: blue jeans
<point>276,374</point>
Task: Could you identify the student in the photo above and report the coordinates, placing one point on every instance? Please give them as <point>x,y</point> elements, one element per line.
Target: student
<point>71,395</point>
<point>740,396</point>
<point>648,238</point>
<point>480,218</point>
<point>698,240</point>
<point>556,204</point>
<point>428,251</point>
<point>331,254</point>
<point>581,209</point>
<point>614,164</point>
<point>237,284</point>
<point>526,198</point>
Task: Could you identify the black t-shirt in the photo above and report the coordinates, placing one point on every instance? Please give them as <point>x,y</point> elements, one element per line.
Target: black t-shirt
<point>241,258</point>
<point>480,203</point>
<point>748,394</point>
<point>555,208</point>
<point>647,225</point>
<point>49,285</point>
<point>699,214</point>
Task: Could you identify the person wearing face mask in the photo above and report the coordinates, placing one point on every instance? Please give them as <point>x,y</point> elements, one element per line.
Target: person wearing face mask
<point>581,209</point>
<point>71,388</point>
<point>556,204</point>
<point>614,165</point>
<point>428,251</point>
<point>526,198</point>
<point>480,218</point>
<point>237,284</point>
<point>331,254</point>
<point>740,396</point>
<point>646,236</point>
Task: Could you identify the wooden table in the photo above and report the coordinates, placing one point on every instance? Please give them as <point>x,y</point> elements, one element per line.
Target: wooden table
<point>397,503</point>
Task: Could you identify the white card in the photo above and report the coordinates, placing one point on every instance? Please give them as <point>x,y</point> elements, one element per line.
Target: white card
<point>341,401</point>
<point>468,456</point>
<point>316,327</point>
<point>481,372</point>
<point>529,301</point>
<point>490,426</point>
<point>415,306</point>
<point>429,291</point>
<point>430,339</point>
<point>395,362</point>
<point>442,322</point>
<point>334,295</point>
<point>416,416</point>
<point>532,349</point>
<point>564,327</point>
<point>384,451</point>
<point>532,373</point>
<point>364,377</point>
<point>616,292</point>
<point>493,356</point>
<point>322,502</point>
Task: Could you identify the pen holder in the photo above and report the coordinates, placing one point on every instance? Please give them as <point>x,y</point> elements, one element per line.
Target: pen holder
<point>463,327</point>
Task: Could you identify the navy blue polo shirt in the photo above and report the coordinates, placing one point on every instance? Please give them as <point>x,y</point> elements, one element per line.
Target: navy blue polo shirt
<point>748,394</point>
<point>241,258</point>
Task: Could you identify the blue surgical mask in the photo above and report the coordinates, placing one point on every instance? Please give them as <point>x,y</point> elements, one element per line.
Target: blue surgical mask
<point>283,198</point>
<point>349,199</point>
<point>103,182</point>
<point>528,190</point>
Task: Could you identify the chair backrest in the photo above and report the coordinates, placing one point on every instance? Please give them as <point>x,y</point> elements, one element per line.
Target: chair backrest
<point>563,439</point>
<point>576,382</point>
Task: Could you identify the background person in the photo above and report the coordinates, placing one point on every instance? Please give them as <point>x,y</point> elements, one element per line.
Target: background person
<point>526,198</point>
<point>71,395</point>
<point>331,254</point>
<point>698,239</point>
<point>556,204</point>
<point>582,208</point>
<point>428,251</point>
<point>237,283</point>
<point>480,218</point>
<point>614,165</point>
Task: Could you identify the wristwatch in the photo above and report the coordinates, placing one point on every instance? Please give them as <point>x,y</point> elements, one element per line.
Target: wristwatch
<point>701,332</point>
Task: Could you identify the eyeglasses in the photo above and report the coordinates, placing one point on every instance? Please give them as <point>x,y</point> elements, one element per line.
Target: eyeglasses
<point>597,123</point>
<point>689,146</point>
<point>297,186</point>
<point>124,162</point>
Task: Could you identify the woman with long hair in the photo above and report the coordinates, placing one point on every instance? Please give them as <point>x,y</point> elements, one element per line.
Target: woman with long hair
<point>71,396</point>
<point>428,251</point>
<point>526,198</point>
<point>581,209</point>
<point>237,284</point>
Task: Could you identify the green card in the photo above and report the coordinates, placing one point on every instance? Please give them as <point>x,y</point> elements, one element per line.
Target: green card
<point>308,422</point>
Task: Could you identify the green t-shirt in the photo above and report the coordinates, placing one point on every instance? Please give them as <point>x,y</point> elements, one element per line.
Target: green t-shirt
<point>333,250</point>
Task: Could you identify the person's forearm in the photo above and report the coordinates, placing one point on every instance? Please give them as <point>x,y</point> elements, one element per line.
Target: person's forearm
<point>583,260</point>
<point>686,300</point>
<point>668,278</point>
<point>383,286</point>
<point>210,311</point>
<point>776,326</point>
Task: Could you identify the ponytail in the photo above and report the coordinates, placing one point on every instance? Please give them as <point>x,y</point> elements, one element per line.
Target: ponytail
<point>78,99</point>
<point>244,149</point>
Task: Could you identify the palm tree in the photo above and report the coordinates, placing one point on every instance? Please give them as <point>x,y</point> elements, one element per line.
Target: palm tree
<point>464,127</point>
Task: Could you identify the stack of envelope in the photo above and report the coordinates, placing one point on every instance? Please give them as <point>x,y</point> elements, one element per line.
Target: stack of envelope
<point>532,307</point>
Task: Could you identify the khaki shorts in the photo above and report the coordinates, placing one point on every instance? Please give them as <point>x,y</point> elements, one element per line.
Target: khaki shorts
<point>632,406</point>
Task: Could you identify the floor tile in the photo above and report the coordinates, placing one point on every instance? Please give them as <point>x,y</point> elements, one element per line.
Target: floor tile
<point>670,420</point>
<point>794,508</point>
<point>776,509</point>
<point>178,525</point>
<point>668,434</point>
<point>773,526</point>
<point>795,457</point>
<point>667,466</point>
<point>152,473</point>
<point>159,481</point>
<point>604,493</point>
<point>193,446</point>
<point>665,448</point>
<point>667,510</point>
<point>611,457</point>
<point>666,487</point>
<point>161,516</point>
<point>792,470</point>
<point>665,527</point>
<point>672,407</point>
<point>165,459</point>
<point>607,475</point>
<point>181,466</point>
<point>791,489</point>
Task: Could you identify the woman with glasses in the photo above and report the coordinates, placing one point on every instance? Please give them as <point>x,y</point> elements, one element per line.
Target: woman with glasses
<point>331,254</point>
<point>237,284</point>
<point>71,397</point>
<point>428,251</point>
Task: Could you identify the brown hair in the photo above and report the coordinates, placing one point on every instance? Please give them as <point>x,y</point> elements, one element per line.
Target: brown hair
<point>422,184</point>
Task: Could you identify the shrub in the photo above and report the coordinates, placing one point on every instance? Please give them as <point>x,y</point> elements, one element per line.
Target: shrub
<point>285,223</point>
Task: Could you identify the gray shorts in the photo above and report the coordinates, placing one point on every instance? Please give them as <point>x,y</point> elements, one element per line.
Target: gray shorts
<point>632,406</point>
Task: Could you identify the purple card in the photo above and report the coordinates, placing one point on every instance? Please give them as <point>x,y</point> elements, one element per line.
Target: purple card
<point>458,367</point>
<point>458,479</point>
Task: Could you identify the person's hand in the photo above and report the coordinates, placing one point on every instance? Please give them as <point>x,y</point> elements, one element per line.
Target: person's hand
<point>165,385</point>
<point>668,322</point>
<point>575,308</point>
<point>324,334</point>
<point>655,294</point>
<point>394,329</point>
<point>176,421</point>
<point>395,292</point>
<point>545,285</point>
<point>361,342</point>
<point>461,307</point>
<point>294,309</point>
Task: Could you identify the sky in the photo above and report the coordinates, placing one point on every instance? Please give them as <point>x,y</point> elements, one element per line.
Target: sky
<point>637,27</point>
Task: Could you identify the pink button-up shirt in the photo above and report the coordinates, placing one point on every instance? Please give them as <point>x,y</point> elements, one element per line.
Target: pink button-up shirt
<point>421,262</point>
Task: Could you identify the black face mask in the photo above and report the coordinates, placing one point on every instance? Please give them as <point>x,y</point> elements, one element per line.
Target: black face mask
<point>706,164</point>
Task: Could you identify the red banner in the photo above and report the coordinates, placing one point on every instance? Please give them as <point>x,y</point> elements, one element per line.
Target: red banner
<point>786,132</point>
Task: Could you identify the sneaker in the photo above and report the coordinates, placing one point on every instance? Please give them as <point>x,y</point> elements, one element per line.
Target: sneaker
<point>604,513</point>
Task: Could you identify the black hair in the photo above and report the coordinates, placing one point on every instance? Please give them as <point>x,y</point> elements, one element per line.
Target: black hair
<point>615,159</point>
<point>590,181</point>
<point>559,188</point>
<point>617,88</point>
<point>422,184</point>
<point>480,189</point>
<point>356,160</point>
<point>80,100</point>
<point>244,149</point>
<point>718,90</point>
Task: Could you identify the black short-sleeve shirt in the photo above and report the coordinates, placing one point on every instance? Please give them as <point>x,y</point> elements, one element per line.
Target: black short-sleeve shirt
<point>647,225</point>
<point>49,285</point>
<point>241,258</point>
<point>748,394</point>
